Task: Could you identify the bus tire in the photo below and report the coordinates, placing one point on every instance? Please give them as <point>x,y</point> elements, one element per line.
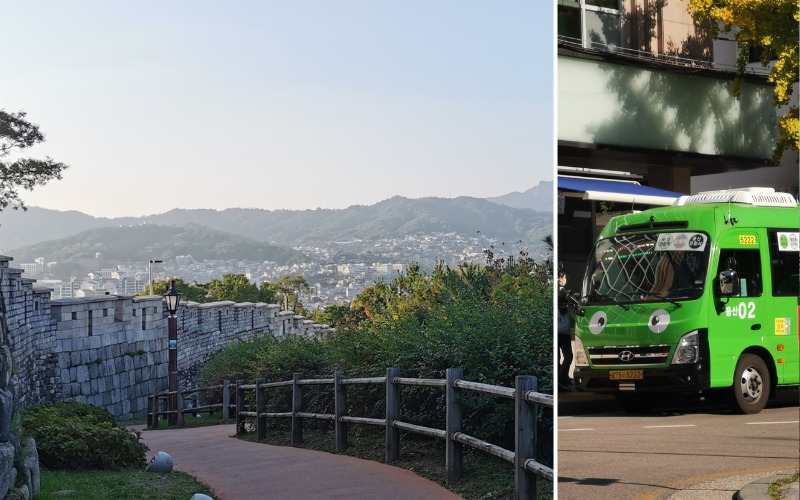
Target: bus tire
<point>751,384</point>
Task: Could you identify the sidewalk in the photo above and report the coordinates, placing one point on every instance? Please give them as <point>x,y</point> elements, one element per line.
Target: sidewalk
<point>241,470</point>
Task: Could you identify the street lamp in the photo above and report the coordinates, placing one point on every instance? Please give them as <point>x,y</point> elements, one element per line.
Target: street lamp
<point>173,298</point>
<point>150,272</point>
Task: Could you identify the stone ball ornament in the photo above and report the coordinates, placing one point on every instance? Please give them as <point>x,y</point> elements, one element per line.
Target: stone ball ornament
<point>161,462</point>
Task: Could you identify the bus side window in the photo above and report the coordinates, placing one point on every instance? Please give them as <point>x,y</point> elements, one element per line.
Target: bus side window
<point>748,267</point>
<point>785,268</point>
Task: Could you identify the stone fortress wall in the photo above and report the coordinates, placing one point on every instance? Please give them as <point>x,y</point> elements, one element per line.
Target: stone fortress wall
<point>111,351</point>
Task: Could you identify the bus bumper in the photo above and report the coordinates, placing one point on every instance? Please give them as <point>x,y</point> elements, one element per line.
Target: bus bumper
<point>691,378</point>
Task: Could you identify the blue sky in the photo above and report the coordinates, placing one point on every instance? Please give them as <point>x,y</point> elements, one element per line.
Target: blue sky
<point>281,104</point>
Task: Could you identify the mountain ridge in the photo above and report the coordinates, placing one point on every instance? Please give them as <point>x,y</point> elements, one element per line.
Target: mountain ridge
<point>394,217</point>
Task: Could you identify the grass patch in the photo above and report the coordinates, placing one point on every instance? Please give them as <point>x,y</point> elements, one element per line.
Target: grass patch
<point>125,484</point>
<point>485,476</point>
<point>774,489</point>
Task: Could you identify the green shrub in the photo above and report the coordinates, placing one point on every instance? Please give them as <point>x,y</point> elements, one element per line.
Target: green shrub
<point>76,436</point>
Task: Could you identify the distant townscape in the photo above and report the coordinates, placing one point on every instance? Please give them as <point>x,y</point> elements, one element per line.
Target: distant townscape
<point>112,256</point>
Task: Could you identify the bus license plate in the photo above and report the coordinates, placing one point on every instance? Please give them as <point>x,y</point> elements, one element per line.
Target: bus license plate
<point>626,375</point>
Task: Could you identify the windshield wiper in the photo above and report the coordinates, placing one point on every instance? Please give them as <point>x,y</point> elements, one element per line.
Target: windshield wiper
<point>605,299</point>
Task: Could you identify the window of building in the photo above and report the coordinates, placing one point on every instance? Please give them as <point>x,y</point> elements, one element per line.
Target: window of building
<point>592,24</point>
<point>755,54</point>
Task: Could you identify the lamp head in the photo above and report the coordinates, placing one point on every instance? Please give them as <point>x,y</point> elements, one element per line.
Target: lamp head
<point>173,297</point>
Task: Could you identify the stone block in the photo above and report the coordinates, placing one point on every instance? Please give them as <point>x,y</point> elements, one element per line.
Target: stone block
<point>63,359</point>
<point>30,460</point>
<point>82,373</point>
<point>8,474</point>
<point>95,341</point>
<point>6,414</point>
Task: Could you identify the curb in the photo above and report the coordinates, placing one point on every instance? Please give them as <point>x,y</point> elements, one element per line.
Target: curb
<point>757,490</point>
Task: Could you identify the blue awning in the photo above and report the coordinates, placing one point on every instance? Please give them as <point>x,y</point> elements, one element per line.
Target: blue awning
<point>621,191</point>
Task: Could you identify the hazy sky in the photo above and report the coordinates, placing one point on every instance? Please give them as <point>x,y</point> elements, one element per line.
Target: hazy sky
<point>289,104</point>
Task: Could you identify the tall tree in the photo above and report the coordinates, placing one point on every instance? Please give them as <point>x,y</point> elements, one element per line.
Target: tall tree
<point>16,134</point>
<point>235,287</point>
<point>771,25</point>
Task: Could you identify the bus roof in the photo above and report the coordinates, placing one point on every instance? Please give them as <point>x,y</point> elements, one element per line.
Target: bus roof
<point>755,196</point>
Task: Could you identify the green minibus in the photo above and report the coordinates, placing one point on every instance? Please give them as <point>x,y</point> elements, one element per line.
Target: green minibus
<point>699,295</point>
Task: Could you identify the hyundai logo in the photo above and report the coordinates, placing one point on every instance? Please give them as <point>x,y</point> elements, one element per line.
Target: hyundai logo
<point>625,356</point>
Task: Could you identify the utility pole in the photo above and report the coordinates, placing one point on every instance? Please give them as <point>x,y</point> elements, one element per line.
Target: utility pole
<point>150,270</point>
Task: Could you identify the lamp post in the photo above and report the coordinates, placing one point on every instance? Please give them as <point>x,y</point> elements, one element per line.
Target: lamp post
<point>173,297</point>
<point>150,272</point>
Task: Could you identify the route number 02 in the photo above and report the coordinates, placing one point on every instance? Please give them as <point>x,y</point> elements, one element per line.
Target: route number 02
<point>742,311</point>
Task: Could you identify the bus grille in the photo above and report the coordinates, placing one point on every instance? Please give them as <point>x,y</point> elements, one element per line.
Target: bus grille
<point>628,356</point>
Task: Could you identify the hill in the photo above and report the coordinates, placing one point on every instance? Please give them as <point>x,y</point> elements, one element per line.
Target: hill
<point>539,198</point>
<point>148,241</point>
<point>395,217</point>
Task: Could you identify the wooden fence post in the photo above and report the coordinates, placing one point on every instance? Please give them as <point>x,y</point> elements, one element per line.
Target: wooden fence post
<point>239,407</point>
<point>150,410</point>
<point>525,439</point>
<point>392,414</point>
<point>226,401</point>
<point>453,453</point>
<point>340,410</point>
<point>179,408</point>
<point>297,407</point>
<point>261,409</point>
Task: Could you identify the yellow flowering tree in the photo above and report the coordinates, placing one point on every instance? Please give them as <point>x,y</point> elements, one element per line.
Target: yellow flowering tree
<point>773,26</point>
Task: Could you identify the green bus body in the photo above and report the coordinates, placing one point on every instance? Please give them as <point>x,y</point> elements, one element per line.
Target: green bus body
<point>691,297</point>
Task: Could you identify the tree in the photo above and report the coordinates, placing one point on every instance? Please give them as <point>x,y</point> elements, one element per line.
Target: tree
<point>235,287</point>
<point>771,25</point>
<point>16,133</point>
<point>189,291</point>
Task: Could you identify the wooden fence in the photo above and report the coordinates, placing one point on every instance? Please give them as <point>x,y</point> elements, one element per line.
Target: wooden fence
<point>188,402</point>
<point>525,396</point>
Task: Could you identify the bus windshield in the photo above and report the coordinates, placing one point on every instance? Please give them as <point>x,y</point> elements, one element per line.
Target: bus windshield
<point>649,267</point>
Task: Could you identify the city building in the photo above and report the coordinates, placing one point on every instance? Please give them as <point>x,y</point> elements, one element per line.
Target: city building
<point>644,97</point>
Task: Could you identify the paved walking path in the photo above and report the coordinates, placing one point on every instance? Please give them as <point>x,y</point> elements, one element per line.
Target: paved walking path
<point>241,470</point>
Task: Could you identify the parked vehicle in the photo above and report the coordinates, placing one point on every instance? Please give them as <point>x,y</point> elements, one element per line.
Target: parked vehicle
<point>695,296</point>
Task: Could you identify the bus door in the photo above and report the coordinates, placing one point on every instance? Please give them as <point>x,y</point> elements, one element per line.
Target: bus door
<point>743,314</point>
<point>784,254</point>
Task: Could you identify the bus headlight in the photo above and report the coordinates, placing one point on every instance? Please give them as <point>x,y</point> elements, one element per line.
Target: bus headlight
<point>688,350</point>
<point>580,354</point>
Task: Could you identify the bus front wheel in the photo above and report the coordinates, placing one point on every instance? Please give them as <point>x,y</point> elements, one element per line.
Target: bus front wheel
<point>751,384</point>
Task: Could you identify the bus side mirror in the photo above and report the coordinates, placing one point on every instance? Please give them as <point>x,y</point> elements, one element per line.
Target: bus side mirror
<point>576,300</point>
<point>729,282</point>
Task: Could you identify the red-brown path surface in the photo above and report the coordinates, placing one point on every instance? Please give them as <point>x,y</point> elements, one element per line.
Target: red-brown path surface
<point>241,470</point>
